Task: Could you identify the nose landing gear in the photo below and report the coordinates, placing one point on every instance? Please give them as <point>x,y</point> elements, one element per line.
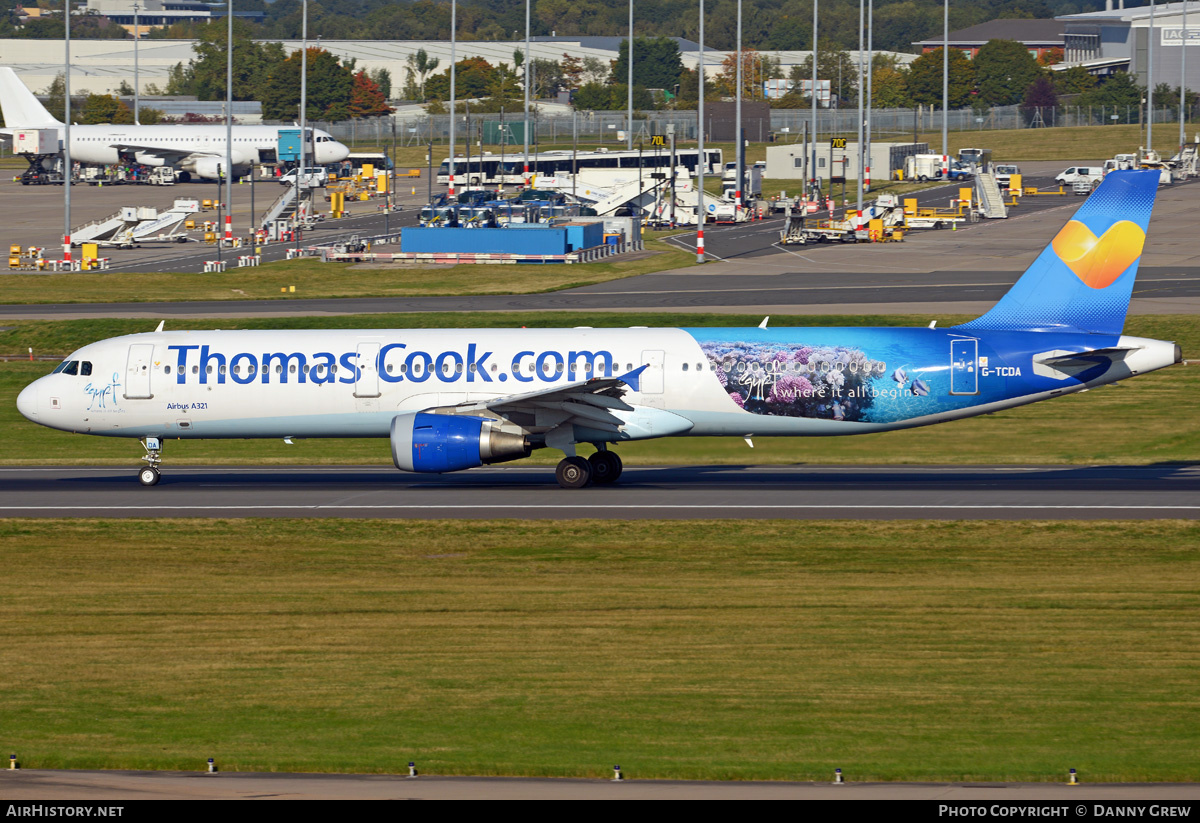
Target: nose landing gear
<point>149,474</point>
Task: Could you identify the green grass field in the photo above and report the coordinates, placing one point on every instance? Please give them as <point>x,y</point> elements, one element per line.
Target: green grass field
<point>718,649</point>
<point>1136,422</point>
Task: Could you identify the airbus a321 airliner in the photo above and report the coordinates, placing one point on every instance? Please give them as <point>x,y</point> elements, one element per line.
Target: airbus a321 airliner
<point>454,399</point>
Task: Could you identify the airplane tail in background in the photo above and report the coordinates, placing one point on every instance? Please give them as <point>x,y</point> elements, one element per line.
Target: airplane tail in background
<point>21,109</point>
<point>1083,280</point>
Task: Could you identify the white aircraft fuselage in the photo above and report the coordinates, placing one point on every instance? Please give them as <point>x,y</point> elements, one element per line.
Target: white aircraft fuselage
<point>197,150</point>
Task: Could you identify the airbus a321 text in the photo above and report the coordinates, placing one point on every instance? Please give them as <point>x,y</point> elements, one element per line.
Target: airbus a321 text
<point>455,399</point>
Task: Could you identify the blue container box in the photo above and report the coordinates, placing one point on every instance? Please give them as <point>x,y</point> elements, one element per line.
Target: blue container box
<point>543,240</point>
<point>288,149</point>
<point>584,235</point>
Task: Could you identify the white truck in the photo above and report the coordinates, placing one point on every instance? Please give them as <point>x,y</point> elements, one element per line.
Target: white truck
<point>1004,173</point>
<point>312,178</point>
<point>923,167</point>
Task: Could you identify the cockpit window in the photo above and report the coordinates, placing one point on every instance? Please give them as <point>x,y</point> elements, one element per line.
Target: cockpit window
<point>85,368</point>
<point>68,367</point>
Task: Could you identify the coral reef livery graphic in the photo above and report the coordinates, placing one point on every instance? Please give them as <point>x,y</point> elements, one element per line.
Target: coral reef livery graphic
<point>817,382</point>
<point>1098,261</point>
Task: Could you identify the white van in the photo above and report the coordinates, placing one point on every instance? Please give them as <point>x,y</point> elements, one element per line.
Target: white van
<point>312,178</point>
<point>1088,174</point>
<point>1004,173</point>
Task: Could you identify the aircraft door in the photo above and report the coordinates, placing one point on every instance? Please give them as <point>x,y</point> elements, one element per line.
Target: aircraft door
<point>652,377</point>
<point>366,384</point>
<point>137,372</point>
<point>964,371</point>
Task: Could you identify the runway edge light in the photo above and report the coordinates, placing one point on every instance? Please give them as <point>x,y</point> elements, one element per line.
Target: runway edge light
<point>12,762</point>
<point>617,774</point>
<point>212,766</point>
<point>1074,781</point>
<point>412,769</point>
<point>837,778</point>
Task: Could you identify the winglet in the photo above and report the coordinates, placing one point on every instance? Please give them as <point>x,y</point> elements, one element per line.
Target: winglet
<point>633,379</point>
<point>763,324</point>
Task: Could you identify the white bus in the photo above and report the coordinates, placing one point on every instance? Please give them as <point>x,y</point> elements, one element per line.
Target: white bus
<point>485,170</point>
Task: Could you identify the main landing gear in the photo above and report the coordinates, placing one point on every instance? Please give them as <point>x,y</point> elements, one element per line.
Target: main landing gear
<point>575,472</point>
<point>149,474</point>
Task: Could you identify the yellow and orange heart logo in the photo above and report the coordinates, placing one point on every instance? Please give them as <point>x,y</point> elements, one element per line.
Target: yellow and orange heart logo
<point>1098,261</point>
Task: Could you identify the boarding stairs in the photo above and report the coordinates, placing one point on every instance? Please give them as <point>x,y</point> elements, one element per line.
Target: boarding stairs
<point>170,225</point>
<point>991,200</point>
<point>106,228</point>
<point>287,208</point>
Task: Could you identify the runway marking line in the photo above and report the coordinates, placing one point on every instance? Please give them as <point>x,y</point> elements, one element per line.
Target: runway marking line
<point>163,506</point>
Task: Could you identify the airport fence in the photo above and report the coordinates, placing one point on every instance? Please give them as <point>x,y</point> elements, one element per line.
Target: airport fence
<point>785,125</point>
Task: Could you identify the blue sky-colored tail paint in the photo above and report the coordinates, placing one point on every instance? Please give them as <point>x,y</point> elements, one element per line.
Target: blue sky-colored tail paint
<point>1083,280</point>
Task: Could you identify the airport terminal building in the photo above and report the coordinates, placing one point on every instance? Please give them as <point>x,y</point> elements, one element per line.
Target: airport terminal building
<point>1122,39</point>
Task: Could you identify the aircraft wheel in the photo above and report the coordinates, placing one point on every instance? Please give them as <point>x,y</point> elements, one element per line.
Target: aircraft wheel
<point>606,467</point>
<point>573,473</point>
<point>148,476</point>
<point>923,179</point>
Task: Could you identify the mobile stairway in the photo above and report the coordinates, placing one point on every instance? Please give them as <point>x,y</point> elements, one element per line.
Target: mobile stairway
<point>991,200</point>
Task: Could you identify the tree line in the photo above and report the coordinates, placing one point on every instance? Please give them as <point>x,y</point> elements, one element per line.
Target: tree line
<point>766,24</point>
<point>266,72</point>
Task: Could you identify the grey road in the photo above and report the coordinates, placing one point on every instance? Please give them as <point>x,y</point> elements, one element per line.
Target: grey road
<point>94,785</point>
<point>788,492</point>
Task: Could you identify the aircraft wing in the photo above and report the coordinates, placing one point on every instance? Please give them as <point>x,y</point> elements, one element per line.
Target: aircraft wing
<point>589,403</point>
<point>166,155</point>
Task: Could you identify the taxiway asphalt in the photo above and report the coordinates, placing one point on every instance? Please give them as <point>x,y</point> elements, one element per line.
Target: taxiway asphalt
<point>680,493</point>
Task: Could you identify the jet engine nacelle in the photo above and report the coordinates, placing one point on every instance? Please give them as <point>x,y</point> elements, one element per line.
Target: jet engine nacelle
<point>148,159</point>
<point>423,442</point>
<point>212,168</point>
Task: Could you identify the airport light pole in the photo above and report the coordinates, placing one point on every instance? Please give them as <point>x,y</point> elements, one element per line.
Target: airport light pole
<point>453,94</point>
<point>67,136</point>
<point>136,84</point>
<point>738,153</point>
<point>700,153</point>
<point>303,121</point>
<point>859,148</point>
<point>1183,80</point>
<point>1150,82</point>
<point>945,81</point>
<point>869,94</point>
<point>629,89</point>
<point>229,124</point>
<point>813,99</point>
<point>525,79</point>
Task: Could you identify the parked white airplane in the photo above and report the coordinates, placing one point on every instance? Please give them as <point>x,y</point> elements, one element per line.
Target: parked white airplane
<point>193,150</point>
<point>453,399</point>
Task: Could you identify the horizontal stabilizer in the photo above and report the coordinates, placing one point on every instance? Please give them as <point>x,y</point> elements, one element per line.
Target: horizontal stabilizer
<point>1089,356</point>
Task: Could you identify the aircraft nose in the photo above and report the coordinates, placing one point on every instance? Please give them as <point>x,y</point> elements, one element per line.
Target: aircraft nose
<point>340,152</point>
<point>27,401</point>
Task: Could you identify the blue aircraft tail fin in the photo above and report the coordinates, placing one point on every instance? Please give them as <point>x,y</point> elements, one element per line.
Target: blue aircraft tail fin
<point>1083,280</point>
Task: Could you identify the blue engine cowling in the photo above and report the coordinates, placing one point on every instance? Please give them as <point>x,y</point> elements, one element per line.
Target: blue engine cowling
<point>423,442</point>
